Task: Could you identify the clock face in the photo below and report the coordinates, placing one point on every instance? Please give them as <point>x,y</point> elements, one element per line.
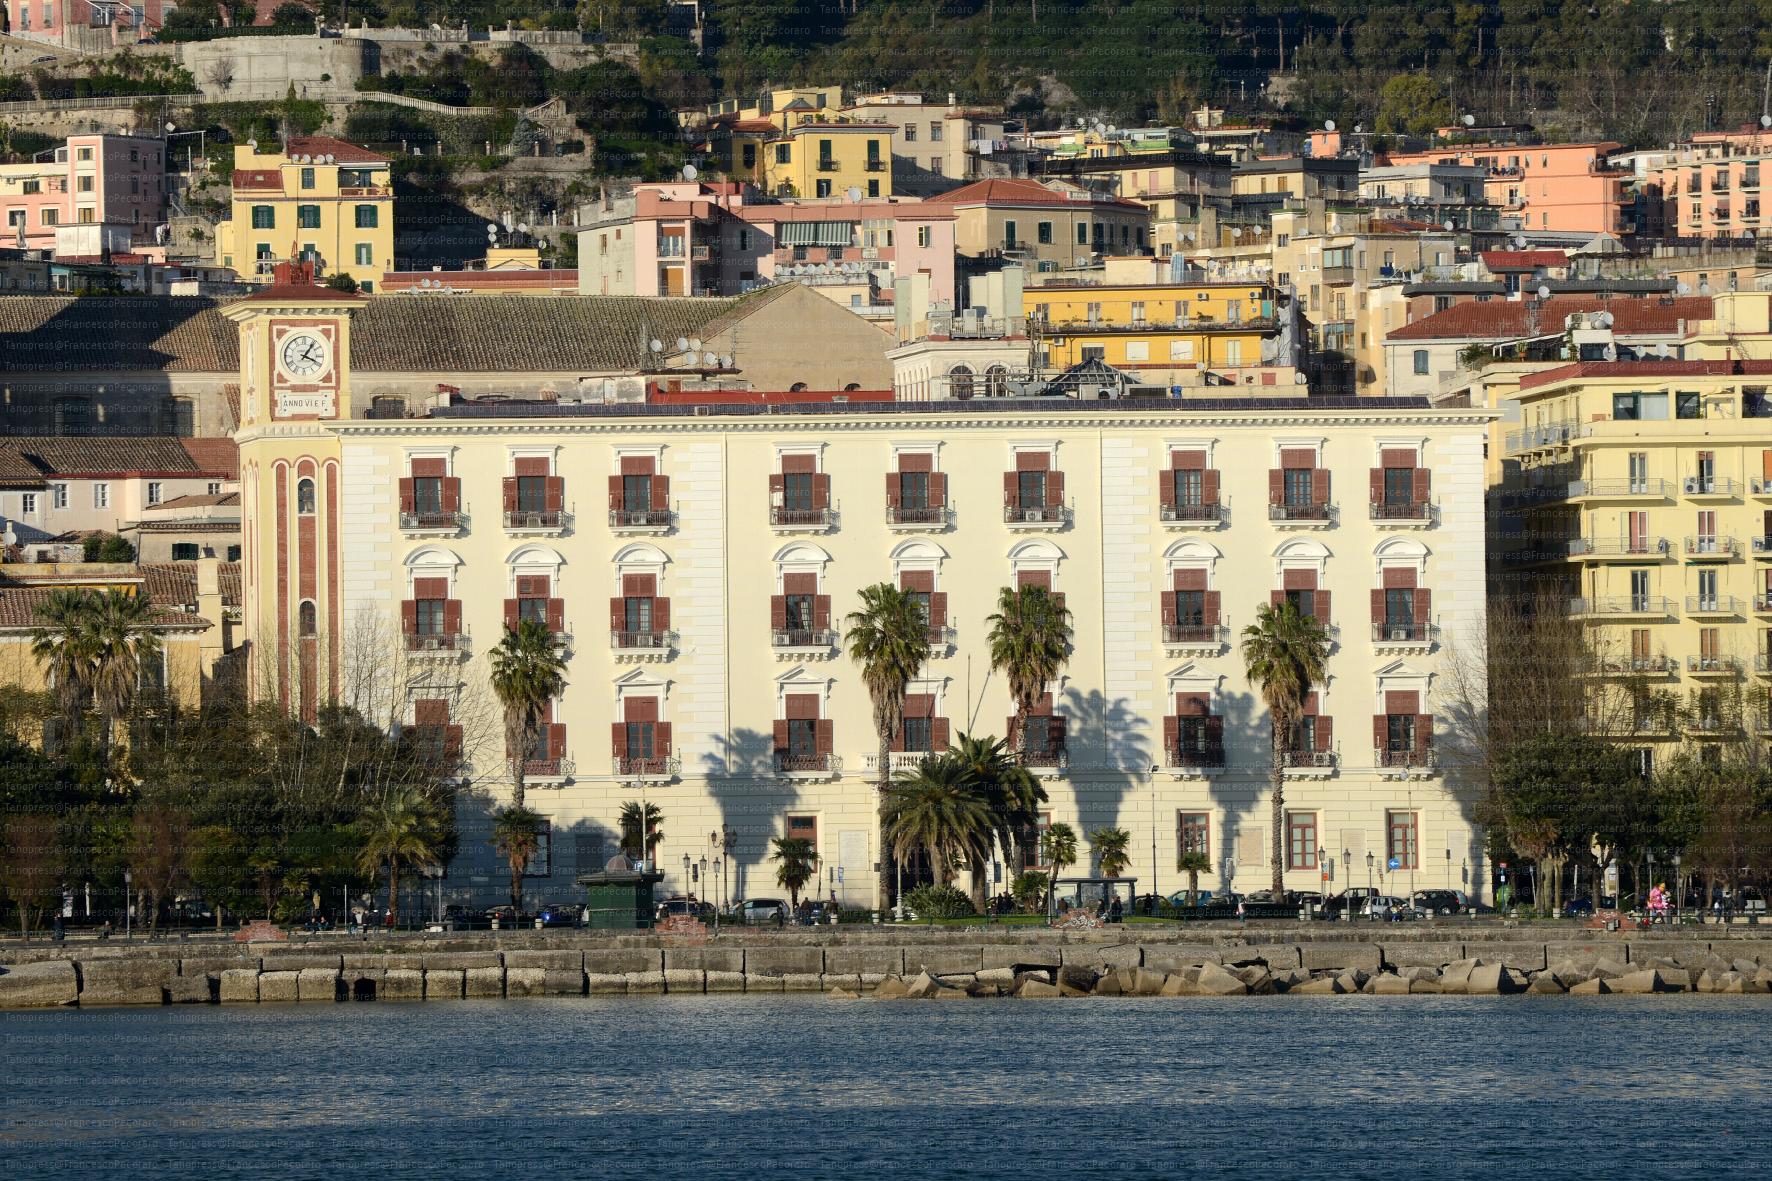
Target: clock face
<point>304,355</point>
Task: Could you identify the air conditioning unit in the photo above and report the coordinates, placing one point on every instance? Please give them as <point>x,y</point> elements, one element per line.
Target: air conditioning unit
<point>1399,633</point>
<point>1691,485</point>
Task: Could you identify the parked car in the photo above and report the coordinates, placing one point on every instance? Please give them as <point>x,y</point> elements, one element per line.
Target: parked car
<point>1354,896</point>
<point>462,918</point>
<point>508,916</point>
<point>1437,901</point>
<point>560,914</point>
<point>763,910</point>
<point>1389,908</point>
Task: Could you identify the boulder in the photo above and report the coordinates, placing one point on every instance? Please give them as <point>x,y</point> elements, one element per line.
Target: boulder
<point>646,983</point>
<point>402,984</point>
<point>1424,984</point>
<point>1646,980</point>
<point>190,990</point>
<point>1764,976</point>
<point>1257,977</point>
<point>685,980</point>
<point>892,988</point>
<point>1004,976</point>
<point>1078,976</point>
<point>1387,984</point>
<point>1747,968</point>
<point>723,981</point>
<point>1420,973</point>
<point>1709,981</point>
<point>443,984</point>
<point>1456,975</point>
<point>1570,972</point>
<point>831,983</point>
<point>1492,980</point>
<point>1146,982</point>
<point>923,985</point>
<point>950,994</point>
<point>1353,980</point>
<point>1593,986</point>
<point>1073,991</point>
<point>528,981</point>
<point>1043,975</point>
<point>1215,981</point>
<point>1109,985</point>
<point>1750,984</point>
<point>240,986</point>
<point>43,985</point>
<point>842,994</point>
<point>1547,984</point>
<point>1319,986</point>
<point>278,986</point>
<point>559,981</point>
<point>961,980</point>
<point>607,983</point>
<point>1606,968</point>
<point>125,981</point>
<point>1181,983</point>
<point>1031,987</point>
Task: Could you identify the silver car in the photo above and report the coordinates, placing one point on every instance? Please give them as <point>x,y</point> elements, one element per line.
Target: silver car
<point>763,910</point>
<point>1387,908</point>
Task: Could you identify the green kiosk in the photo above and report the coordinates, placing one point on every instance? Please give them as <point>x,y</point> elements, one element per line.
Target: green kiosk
<point>619,897</point>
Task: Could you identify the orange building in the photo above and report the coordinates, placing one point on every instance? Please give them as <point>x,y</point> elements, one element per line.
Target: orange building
<point>1561,187</point>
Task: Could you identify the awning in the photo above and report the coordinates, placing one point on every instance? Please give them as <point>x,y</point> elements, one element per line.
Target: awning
<point>817,233</point>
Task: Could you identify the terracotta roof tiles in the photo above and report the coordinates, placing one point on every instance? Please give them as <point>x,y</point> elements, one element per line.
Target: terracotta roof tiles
<point>1002,191</point>
<point>106,454</point>
<point>1645,369</point>
<point>1507,319</point>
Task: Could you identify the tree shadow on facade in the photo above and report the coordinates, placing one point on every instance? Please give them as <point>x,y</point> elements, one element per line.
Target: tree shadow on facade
<point>1110,756</point>
<point>1237,790</point>
<point>751,796</point>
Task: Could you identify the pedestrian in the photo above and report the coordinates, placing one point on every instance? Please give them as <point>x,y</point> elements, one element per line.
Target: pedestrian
<point>105,931</point>
<point>1242,915</point>
<point>1114,912</point>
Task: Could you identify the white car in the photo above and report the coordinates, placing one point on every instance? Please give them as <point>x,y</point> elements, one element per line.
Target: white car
<point>763,910</point>
<point>1387,908</point>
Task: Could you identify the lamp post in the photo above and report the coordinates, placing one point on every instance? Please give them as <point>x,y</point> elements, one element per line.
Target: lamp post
<point>1155,893</point>
<point>1679,887</point>
<point>1648,879</point>
<point>686,864</point>
<point>1347,872</point>
<point>1322,879</point>
<point>202,135</point>
<point>128,902</point>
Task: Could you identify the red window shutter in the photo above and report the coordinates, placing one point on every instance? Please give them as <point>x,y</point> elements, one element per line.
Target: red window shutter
<point>821,491</point>
<point>1187,460</point>
<point>1423,605</point>
<point>556,615</point>
<point>1377,485</point>
<point>1033,461</point>
<point>430,467</point>
<point>1398,578</point>
<point>661,493</point>
<point>640,709</point>
<point>408,500</point>
<point>1275,598</point>
<point>778,487</point>
<point>916,461</point>
<point>1320,606</point>
<point>1215,733</point>
<point>618,740</point>
<point>822,734</point>
<point>1310,704</point>
<point>1190,580</point>
<point>938,733</point>
<point>1212,608</point>
<point>452,616</point>
<point>510,494</point>
<point>1298,580</point>
<point>892,489</point>
<point>938,489</point>
<point>556,740</point>
<point>1011,490</point>
<point>409,617</point>
<point>553,491</point>
<point>1377,606</point>
<point>432,711</point>
<point>452,494</point>
<point>452,742</point>
<point>1424,731</point>
<point>511,614</point>
<point>1045,704</point>
<point>1276,486</point>
<point>1039,578</point>
<point>1380,730</point>
<point>917,580</point>
<point>1423,483</point>
<point>1055,488</point>
<point>618,614</point>
<point>938,609</point>
<point>1397,457</point>
<point>1166,488</point>
<point>1055,731</point>
<point>1192,705</point>
<point>531,466</point>
<point>781,734</point>
<point>1298,457</point>
<point>430,588</point>
<point>661,614</point>
<point>615,497</point>
<point>1168,608</point>
<point>821,612</point>
<point>799,584</point>
<point>1209,486</point>
<point>799,464</point>
<point>661,738</point>
<point>1171,733</point>
<point>1320,485</point>
<point>639,586</point>
<point>1325,733</point>
<point>778,611</point>
<point>636,465</point>
<point>1402,701</point>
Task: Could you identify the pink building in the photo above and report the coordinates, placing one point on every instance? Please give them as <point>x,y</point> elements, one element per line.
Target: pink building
<point>87,25</point>
<point>112,180</point>
<point>1710,188</point>
<point>1561,187</point>
<point>690,238</point>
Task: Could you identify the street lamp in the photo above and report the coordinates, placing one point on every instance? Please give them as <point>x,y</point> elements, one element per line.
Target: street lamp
<point>686,864</point>
<point>1155,893</point>
<point>202,134</point>
<point>1322,879</point>
<point>128,901</point>
<point>1679,888</point>
<point>1347,872</point>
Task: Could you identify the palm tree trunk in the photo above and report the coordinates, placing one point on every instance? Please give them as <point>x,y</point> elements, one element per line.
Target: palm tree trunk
<point>883,888</point>
<point>1278,774</point>
<point>516,886</point>
<point>517,782</point>
<point>393,890</point>
<point>979,882</point>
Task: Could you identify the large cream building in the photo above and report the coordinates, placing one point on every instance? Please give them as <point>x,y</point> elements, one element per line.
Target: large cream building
<point>701,567</point>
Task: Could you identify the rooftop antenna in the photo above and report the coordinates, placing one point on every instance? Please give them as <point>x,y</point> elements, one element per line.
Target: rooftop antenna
<point>689,172</point>
<point>1328,125</point>
<point>1544,291</point>
<point>853,193</point>
<point>1469,120</point>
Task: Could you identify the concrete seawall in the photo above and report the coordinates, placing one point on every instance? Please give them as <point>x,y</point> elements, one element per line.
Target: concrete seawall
<point>965,962</point>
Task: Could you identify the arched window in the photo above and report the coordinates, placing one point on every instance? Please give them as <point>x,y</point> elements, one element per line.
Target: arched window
<point>306,618</point>
<point>995,381</point>
<point>304,497</point>
<point>960,382</point>
<point>852,387</point>
<point>796,387</point>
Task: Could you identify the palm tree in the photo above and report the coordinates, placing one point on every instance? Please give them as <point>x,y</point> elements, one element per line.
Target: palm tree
<point>1110,846</point>
<point>1193,863</point>
<point>1030,641</point>
<point>1058,848</point>
<point>401,827</point>
<point>631,842</point>
<point>516,834</point>
<point>528,672</point>
<point>122,644</point>
<point>62,645</point>
<point>1013,796</point>
<point>889,639</point>
<point>1284,654</point>
<point>938,808</point>
<point>796,857</point>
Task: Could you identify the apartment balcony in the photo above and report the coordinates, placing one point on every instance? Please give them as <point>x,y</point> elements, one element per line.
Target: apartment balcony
<point>827,165</point>
<point>1418,763</point>
<point>548,772</point>
<point>654,770</point>
<point>1750,180</point>
<point>366,190</point>
<point>929,518</point>
<point>1760,488</point>
<point>1176,517</point>
<point>1302,516</point>
<point>433,524</point>
<point>942,640</point>
<point>1195,639</point>
<point>1308,764</point>
<point>802,520</point>
<point>1712,666</point>
<point>1714,605</point>
<point>1538,438</point>
<point>1404,637</point>
<point>1036,518</point>
<point>1633,666</point>
<point>1763,604</point>
<point>1193,762</point>
<point>643,646</point>
<point>1710,487</point>
<point>625,521</point>
<point>1711,726</point>
<point>1619,549</point>
<point>443,646</point>
<point>898,762</point>
<point>876,165</point>
<point>1631,490</point>
<point>1338,276</point>
<point>1711,548</point>
<point>1408,514</point>
<point>815,767</point>
<point>794,643</point>
<point>1761,547</point>
<point>1051,763</point>
<point>1655,607</point>
<point>519,523</point>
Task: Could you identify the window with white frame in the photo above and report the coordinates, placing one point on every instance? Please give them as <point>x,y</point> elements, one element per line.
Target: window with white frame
<point>155,491</point>
<point>58,495</point>
<point>101,495</point>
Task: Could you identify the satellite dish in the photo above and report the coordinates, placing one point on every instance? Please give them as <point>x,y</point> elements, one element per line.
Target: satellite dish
<point>695,344</point>
<point>1450,227</point>
<point>1358,128</point>
<point>1682,289</point>
<point>726,361</point>
<point>682,344</point>
<point>1328,125</point>
<point>1470,120</point>
<point>1766,120</point>
<point>523,227</point>
<point>689,172</point>
<point>253,144</point>
<point>1661,350</point>
<point>1543,291</point>
<point>657,346</point>
<point>711,358</point>
<point>1300,379</point>
<point>1111,129</point>
<point>853,193</point>
<point>1236,231</point>
<point>1605,319</point>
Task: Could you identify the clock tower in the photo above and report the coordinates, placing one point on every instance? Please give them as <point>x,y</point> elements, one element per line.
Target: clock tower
<point>295,347</point>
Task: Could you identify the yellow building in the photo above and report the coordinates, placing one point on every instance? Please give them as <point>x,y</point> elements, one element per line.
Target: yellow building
<point>319,198</point>
<point>794,143</point>
<point>1653,510</point>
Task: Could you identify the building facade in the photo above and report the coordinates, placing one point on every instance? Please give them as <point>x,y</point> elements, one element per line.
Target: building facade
<point>701,567</point>
<point>1045,227</point>
<point>116,181</point>
<point>318,198</point>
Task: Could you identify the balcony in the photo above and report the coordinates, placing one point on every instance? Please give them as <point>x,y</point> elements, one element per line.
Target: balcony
<point>1417,763</point>
<point>446,646</point>
<point>547,772</point>
<point>1763,604</point>
<point>1760,488</point>
<point>1193,762</point>
<point>898,762</point>
<point>640,520</point>
<point>1301,516</point>
<point>1634,666</point>
<point>1037,518</point>
<point>1048,763</point>
<point>1408,514</point>
<point>1195,639</point>
<point>1404,637</point>
<point>1193,516</point>
<point>928,518</point>
<point>1308,764</point>
<point>1714,605</point>
<point>365,190</point>
<point>795,643</point>
<point>1710,724</point>
<point>432,524</point>
<point>643,646</point>
<point>877,165</point>
<point>1337,276</point>
<point>521,523</point>
<point>804,766</point>
<point>942,640</point>
<point>701,252</point>
<point>1593,490</point>
<point>1619,549</point>
<point>826,164</point>
<point>1709,548</point>
<point>654,770</point>
<point>1550,434</point>
<point>1710,487</point>
<point>1762,548</point>
<point>1623,606</point>
<point>1712,666</point>
<point>802,520</point>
